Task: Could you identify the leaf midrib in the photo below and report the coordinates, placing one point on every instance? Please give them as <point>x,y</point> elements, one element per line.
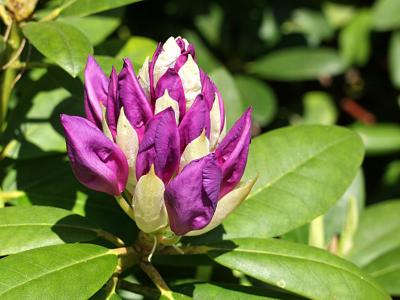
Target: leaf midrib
<point>84,260</point>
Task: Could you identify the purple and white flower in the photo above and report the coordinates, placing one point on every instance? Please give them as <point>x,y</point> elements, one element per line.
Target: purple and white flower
<point>159,138</point>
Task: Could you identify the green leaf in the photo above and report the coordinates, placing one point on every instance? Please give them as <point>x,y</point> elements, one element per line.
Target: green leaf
<point>71,271</point>
<point>260,96</point>
<point>137,48</point>
<point>83,8</point>
<point>296,64</point>
<point>394,58</point>
<point>108,22</point>
<point>378,232</point>
<point>354,39</point>
<point>174,296</point>
<point>385,13</point>
<point>230,93</point>
<point>319,108</point>
<point>306,271</point>
<point>379,139</point>
<point>303,170</point>
<point>210,25</point>
<point>62,43</point>
<point>386,271</point>
<point>25,228</point>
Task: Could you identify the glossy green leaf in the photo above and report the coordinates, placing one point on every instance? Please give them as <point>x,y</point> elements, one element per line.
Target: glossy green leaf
<point>303,170</point>
<point>230,93</point>
<point>83,8</point>
<point>386,15</point>
<point>379,139</point>
<point>283,264</point>
<point>386,270</point>
<point>62,43</point>
<point>71,271</point>
<point>260,96</point>
<point>108,22</point>
<point>378,232</point>
<point>354,39</point>
<point>394,58</point>
<point>296,64</point>
<point>25,228</point>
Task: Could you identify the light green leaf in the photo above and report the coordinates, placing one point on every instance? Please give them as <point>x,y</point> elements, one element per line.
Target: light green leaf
<point>319,108</point>
<point>303,170</point>
<point>83,8</point>
<point>260,96</point>
<point>296,64</point>
<point>25,228</point>
<point>394,58</point>
<point>62,43</point>
<point>71,271</point>
<point>174,296</point>
<point>386,270</point>
<point>137,48</point>
<point>306,271</point>
<point>230,93</point>
<point>354,39</point>
<point>108,22</point>
<point>379,139</point>
<point>385,13</point>
<point>378,232</point>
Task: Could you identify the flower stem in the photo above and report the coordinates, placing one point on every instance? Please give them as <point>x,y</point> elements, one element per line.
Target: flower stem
<point>125,206</point>
<point>139,289</point>
<point>153,274</point>
<point>110,237</point>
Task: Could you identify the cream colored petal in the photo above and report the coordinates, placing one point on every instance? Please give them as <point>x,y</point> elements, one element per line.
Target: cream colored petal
<point>190,76</point>
<point>197,148</point>
<point>215,118</point>
<point>128,141</point>
<point>106,129</point>
<point>223,133</point>
<point>144,77</point>
<point>148,203</point>
<point>166,59</point>
<point>226,205</point>
<point>166,101</point>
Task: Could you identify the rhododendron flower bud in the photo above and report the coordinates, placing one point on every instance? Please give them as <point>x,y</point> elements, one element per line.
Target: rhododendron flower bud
<point>160,137</point>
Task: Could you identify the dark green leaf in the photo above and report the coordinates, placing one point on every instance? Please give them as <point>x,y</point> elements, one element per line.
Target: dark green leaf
<point>83,8</point>
<point>295,64</point>
<point>25,228</point>
<point>62,43</point>
<point>303,170</point>
<point>71,271</point>
<point>310,272</point>
<point>260,96</point>
<point>378,232</point>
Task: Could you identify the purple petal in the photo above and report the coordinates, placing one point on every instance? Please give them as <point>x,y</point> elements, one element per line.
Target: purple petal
<point>151,70</point>
<point>191,197</point>
<point>208,89</point>
<point>195,120</point>
<point>137,109</point>
<point>96,86</point>
<point>159,146</point>
<point>172,82</point>
<point>97,162</point>
<point>113,105</point>
<point>232,152</point>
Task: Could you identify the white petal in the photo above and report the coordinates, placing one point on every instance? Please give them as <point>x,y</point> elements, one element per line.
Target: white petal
<point>197,148</point>
<point>190,76</point>
<point>106,129</point>
<point>226,205</point>
<point>128,141</point>
<point>148,203</point>
<point>166,101</point>
<point>215,118</point>
<point>166,59</point>
<point>144,77</point>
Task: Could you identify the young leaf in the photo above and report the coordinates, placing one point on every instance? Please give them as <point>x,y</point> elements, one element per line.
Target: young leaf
<point>24,228</point>
<point>378,232</point>
<point>303,170</point>
<point>306,271</point>
<point>296,64</point>
<point>71,271</point>
<point>62,43</point>
<point>81,8</point>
